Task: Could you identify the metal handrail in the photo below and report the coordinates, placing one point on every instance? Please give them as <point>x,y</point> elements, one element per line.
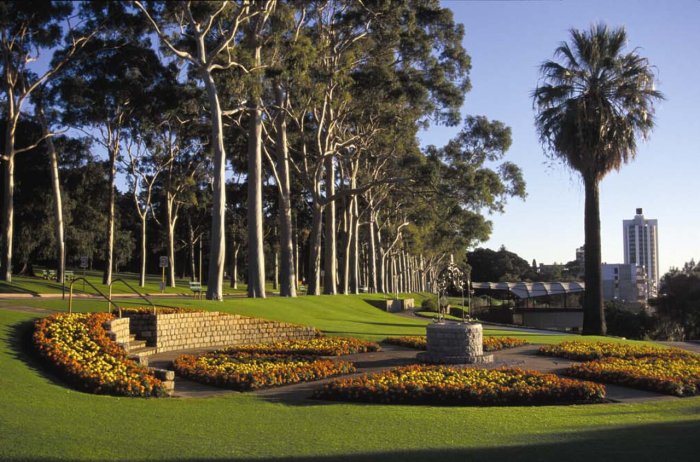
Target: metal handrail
<point>134,291</point>
<point>109,299</point>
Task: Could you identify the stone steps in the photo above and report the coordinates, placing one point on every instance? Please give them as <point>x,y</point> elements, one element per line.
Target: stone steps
<point>140,355</point>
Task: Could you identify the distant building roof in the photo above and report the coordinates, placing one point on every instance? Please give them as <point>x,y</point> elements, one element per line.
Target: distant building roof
<point>532,289</point>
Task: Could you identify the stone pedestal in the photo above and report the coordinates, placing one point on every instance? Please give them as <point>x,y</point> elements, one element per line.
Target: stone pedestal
<point>454,343</point>
<point>395,306</point>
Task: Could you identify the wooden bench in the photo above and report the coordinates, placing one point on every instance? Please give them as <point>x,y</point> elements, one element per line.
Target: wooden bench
<point>52,275</point>
<point>44,274</point>
<point>69,275</point>
<point>196,288</point>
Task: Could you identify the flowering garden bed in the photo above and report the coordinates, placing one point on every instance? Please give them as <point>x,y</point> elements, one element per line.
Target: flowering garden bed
<point>664,370</point>
<point>320,346</point>
<point>249,371</point>
<point>77,346</point>
<point>461,386</point>
<point>586,351</point>
<point>490,343</point>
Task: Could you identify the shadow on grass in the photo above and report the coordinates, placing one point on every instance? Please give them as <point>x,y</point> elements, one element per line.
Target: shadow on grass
<point>668,441</point>
<point>20,343</point>
<point>6,288</point>
<point>379,304</point>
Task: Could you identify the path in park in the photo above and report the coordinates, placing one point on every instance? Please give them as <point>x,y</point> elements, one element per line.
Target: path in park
<point>525,357</point>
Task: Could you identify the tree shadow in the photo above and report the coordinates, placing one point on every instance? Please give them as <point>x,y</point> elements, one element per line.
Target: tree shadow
<point>22,349</point>
<point>6,288</point>
<point>379,304</point>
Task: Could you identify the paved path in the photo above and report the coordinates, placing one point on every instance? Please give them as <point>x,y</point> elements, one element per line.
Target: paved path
<point>525,357</point>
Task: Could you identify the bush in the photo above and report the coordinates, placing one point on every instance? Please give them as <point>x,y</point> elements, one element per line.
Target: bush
<point>320,346</point>
<point>461,386</point>
<point>430,304</point>
<point>77,346</point>
<point>250,371</point>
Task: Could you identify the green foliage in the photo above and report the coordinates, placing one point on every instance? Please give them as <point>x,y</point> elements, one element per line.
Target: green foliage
<point>496,266</point>
<point>678,307</point>
<point>430,304</point>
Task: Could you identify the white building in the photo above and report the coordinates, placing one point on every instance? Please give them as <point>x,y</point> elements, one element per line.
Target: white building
<point>641,247</point>
<point>627,283</point>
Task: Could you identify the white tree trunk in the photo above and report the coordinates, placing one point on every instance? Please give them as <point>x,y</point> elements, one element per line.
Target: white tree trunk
<point>256,255</point>
<point>217,249</point>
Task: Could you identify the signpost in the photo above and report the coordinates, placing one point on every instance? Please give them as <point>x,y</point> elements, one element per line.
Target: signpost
<point>163,263</point>
<point>83,265</point>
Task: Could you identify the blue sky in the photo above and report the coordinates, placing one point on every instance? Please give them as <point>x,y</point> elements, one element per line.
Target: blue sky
<point>507,41</point>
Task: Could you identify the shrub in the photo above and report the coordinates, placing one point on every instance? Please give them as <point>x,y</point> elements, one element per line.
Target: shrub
<point>250,371</point>
<point>78,348</point>
<point>429,304</point>
<point>490,343</point>
<point>461,386</point>
<point>678,376</point>
<point>320,346</point>
<point>586,351</point>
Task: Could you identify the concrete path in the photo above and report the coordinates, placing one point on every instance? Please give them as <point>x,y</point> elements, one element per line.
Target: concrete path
<point>391,356</point>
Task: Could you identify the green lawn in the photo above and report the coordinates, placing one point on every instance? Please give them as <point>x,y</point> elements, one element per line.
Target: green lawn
<point>42,419</point>
<point>37,285</point>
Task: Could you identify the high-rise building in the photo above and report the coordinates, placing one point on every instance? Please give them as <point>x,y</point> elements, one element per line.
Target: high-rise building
<point>641,244</point>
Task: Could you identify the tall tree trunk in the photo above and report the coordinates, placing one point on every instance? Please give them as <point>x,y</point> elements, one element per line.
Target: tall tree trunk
<point>217,249</point>
<point>171,221</point>
<point>354,245</point>
<point>8,191</point>
<point>234,266</point>
<point>142,274</point>
<point>256,254</point>
<point>380,260</point>
<point>347,242</point>
<point>276,271</point>
<point>330,281</point>
<point>56,189</point>
<point>109,263</point>
<point>593,314</point>
<point>371,256</point>
<point>191,242</point>
<point>314,270</point>
<point>287,269</point>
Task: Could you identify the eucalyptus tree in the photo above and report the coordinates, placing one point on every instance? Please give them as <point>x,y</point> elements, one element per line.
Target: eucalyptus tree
<point>142,169</point>
<point>26,30</point>
<point>592,104</point>
<point>206,36</point>
<point>103,89</point>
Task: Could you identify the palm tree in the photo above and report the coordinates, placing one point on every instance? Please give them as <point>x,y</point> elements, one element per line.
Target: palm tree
<point>591,107</point>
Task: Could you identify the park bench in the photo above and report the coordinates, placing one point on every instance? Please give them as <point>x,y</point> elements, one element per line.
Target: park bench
<point>68,276</point>
<point>52,275</point>
<point>196,288</point>
<point>44,274</point>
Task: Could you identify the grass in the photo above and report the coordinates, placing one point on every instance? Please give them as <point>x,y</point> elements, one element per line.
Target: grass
<point>42,419</point>
<point>37,285</point>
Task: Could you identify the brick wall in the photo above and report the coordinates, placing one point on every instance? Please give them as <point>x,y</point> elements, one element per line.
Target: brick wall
<point>180,331</point>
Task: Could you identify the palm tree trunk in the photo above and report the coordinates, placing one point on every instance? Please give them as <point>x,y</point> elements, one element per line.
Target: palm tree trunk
<point>593,310</point>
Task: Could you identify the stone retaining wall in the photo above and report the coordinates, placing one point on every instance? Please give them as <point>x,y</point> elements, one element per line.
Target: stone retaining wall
<point>118,330</point>
<point>179,331</point>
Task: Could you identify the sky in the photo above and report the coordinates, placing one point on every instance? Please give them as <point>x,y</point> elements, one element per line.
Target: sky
<point>507,41</point>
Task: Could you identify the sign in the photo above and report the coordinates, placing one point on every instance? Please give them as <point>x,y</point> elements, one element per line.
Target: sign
<point>163,262</point>
<point>83,262</point>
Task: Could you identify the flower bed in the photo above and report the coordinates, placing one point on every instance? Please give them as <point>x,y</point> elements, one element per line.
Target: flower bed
<point>320,346</point>
<point>490,343</point>
<point>78,347</point>
<point>457,386</point>
<point>586,351</point>
<point>249,371</point>
<point>678,376</point>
